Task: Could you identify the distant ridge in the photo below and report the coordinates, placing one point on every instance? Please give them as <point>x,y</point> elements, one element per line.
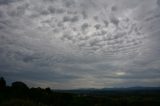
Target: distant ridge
<point>111,90</point>
<point>133,88</point>
<point>120,88</point>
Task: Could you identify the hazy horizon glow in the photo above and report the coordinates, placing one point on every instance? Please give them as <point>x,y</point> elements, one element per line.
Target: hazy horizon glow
<point>68,44</point>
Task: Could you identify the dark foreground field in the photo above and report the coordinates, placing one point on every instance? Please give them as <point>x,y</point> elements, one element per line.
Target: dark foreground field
<point>18,94</point>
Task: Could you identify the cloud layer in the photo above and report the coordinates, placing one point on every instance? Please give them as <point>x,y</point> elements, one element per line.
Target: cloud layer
<point>80,43</point>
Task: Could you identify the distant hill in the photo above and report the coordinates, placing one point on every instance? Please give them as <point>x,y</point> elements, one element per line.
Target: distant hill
<point>111,90</point>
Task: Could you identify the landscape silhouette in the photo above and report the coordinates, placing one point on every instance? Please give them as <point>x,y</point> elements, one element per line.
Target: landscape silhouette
<point>19,94</point>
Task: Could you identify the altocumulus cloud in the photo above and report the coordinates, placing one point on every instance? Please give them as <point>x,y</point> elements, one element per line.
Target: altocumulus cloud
<point>80,43</point>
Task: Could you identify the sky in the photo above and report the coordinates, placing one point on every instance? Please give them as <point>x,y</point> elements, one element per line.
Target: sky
<point>72,44</point>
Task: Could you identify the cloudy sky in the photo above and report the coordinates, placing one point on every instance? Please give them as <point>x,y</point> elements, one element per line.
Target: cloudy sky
<point>69,44</point>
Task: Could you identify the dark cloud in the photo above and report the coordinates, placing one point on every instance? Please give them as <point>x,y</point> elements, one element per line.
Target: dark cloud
<point>84,26</point>
<point>97,26</point>
<point>114,8</point>
<point>66,18</point>
<point>69,3</point>
<point>157,16</point>
<point>49,0</point>
<point>1,14</point>
<point>70,19</point>
<point>95,18</point>
<point>84,14</point>
<point>52,9</point>
<point>60,11</point>
<point>158,2</point>
<point>114,20</point>
<point>80,44</point>
<point>74,19</point>
<point>106,23</point>
<point>5,2</point>
<point>67,37</point>
<point>39,76</point>
<point>19,11</point>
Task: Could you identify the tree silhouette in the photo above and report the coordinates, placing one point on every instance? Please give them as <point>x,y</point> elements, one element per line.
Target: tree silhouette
<point>19,85</point>
<point>2,83</point>
<point>19,89</point>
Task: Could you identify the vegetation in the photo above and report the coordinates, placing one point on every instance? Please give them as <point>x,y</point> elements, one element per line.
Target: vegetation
<point>18,94</point>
